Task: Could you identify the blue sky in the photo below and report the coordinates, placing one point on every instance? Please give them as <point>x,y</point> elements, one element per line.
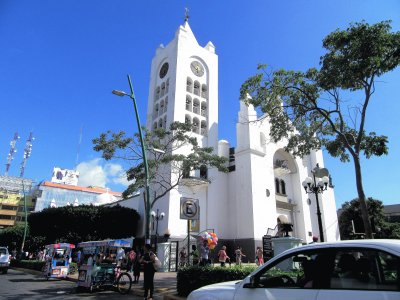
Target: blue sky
<point>59,61</point>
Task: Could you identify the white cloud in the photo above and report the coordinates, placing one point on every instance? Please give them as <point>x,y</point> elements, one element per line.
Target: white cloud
<point>94,173</point>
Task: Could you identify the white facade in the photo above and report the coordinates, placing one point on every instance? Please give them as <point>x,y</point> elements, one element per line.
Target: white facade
<point>244,203</point>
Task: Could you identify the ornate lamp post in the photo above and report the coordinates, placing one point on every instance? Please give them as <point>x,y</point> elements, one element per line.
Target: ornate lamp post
<point>156,216</point>
<point>317,185</point>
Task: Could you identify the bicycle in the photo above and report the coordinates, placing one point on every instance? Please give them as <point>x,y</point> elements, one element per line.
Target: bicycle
<point>111,275</point>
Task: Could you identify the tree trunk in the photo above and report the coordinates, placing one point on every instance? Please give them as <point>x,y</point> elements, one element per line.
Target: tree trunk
<point>362,199</point>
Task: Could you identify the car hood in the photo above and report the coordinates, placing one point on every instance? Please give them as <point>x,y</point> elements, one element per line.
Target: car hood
<point>222,290</point>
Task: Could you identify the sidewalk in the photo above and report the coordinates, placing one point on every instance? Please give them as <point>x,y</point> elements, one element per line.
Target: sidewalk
<point>164,285</point>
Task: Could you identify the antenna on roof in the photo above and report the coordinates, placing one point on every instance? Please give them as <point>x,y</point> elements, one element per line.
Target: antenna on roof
<point>10,155</point>
<point>27,153</point>
<point>186,14</point>
<point>79,146</point>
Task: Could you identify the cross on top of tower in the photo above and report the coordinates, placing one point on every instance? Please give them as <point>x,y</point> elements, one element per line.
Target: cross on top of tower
<point>186,14</point>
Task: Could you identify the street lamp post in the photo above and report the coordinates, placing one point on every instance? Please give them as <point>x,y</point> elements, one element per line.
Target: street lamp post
<point>147,204</point>
<point>317,185</point>
<point>156,217</point>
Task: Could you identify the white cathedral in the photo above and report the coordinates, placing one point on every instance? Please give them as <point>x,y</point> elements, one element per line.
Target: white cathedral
<point>259,190</point>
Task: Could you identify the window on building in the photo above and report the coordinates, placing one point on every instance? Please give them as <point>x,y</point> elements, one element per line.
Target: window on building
<point>283,187</point>
<point>9,207</point>
<point>166,104</point>
<point>162,89</point>
<point>155,115</point>
<point>196,106</point>
<point>189,85</point>
<point>204,109</point>
<point>160,123</point>
<point>203,129</point>
<point>203,172</point>
<point>188,119</point>
<point>157,96</point>
<point>195,126</point>
<point>161,107</point>
<point>204,91</point>
<point>277,187</point>
<point>165,122</point>
<point>196,88</point>
<point>185,171</point>
<point>188,103</point>
<point>167,86</point>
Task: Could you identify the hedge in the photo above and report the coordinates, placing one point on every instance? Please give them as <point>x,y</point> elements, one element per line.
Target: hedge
<point>194,277</point>
<point>38,265</point>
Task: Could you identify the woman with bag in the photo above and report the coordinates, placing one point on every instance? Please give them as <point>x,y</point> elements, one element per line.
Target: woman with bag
<point>148,260</point>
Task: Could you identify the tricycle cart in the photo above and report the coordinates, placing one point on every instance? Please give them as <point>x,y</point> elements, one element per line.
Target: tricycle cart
<point>100,267</point>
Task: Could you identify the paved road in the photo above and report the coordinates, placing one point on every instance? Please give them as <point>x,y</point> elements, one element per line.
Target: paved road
<point>18,284</point>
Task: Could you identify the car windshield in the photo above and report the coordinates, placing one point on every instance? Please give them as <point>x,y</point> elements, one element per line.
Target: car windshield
<point>3,251</point>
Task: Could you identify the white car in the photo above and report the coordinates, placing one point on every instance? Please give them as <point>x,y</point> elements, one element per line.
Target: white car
<point>4,260</point>
<point>345,270</point>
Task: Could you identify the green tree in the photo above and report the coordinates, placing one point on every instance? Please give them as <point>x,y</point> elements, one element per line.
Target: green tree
<point>350,216</point>
<point>167,165</point>
<point>82,223</point>
<point>312,109</point>
<point>12,237</point>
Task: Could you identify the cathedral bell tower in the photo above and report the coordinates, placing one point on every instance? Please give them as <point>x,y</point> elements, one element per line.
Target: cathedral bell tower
<point>184,88</point>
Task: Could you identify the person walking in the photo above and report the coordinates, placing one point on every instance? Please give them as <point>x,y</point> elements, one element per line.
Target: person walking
<point>204,250</point>
<point>136,266</point>
<point>222,256</point>
<point>148,269</point>
<point>195,255</point>
<point>182,257</point>
<point>259,256</point>
<point>131,259</point>
<point>239,254</point>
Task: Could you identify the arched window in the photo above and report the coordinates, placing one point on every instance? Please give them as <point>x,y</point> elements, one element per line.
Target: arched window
<point>204,91</point>
<point>283,187</point>
<point>165,122</point>
<point>203,129</point>
<point>160,123</point>
<point>204,109</point>
<point>196,90</point>
<point>195,126</point>
<point>277,186</point>
<point>157,94</point>
<point>188,103</point>
<point>188,119</point>
<point>155,114</point>
<point>162,89</point>
<point>196,106</point>
<point>155,126</point>
<point>161,107</point>
<point>189,85</point>
<point>203,172</point>
<point>166,104</point>
<point>167,86</point>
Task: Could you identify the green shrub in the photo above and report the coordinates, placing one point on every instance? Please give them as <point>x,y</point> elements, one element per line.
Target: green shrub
<point>28,264</point>
<point>194,277</point>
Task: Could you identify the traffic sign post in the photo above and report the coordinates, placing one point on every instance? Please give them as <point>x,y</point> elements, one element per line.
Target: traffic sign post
<point>190,210</point>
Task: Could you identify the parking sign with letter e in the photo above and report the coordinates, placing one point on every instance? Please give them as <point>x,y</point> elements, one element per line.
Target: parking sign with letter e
<point>189,209</point>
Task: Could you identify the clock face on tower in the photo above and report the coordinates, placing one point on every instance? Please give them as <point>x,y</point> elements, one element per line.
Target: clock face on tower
<point>197,68</point>
<point>164,70</point>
